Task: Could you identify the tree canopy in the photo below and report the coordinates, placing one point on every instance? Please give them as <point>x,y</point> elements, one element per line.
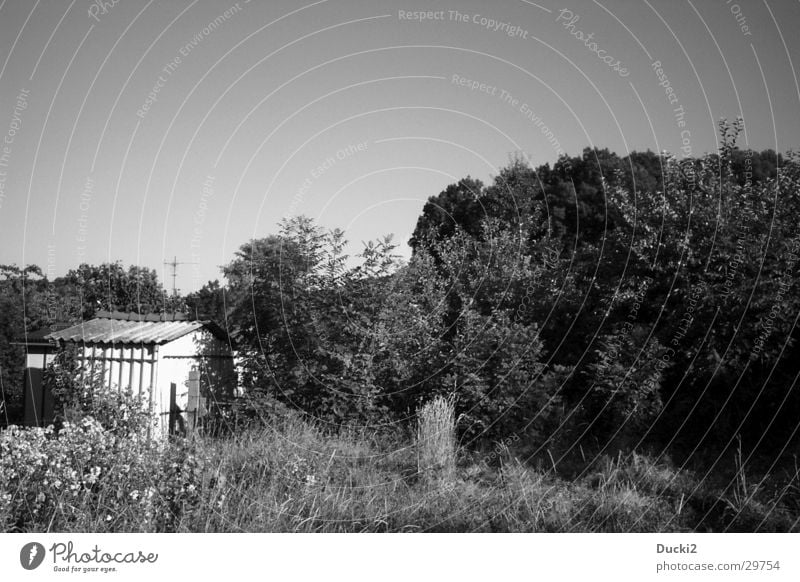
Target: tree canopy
<point>602,302</point>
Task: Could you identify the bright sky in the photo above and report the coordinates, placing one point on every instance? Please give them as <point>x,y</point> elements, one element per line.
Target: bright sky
<point>140,130</point>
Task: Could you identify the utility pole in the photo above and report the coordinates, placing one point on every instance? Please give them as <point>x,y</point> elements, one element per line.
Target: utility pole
<point>174,264</point>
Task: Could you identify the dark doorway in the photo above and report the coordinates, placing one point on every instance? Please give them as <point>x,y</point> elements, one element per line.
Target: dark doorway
<point>38,399</point>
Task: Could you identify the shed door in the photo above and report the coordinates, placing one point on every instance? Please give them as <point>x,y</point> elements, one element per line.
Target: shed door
<point>38,400</point>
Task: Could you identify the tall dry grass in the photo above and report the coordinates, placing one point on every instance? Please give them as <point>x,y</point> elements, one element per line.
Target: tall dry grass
<point>292,476</point>
<point>437,444</point>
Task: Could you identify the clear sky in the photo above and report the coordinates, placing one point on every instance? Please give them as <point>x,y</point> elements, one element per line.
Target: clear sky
<point>139,130</point>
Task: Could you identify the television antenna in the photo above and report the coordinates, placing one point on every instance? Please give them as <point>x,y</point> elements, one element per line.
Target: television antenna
<point>174,264</point>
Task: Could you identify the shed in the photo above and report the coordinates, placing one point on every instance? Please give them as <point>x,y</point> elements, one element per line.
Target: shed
<point>176,363</point>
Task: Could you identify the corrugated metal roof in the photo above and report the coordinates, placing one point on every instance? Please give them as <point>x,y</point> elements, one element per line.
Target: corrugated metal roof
<point>39,336</point>
<point>117,331</point>
<point>127,316</point>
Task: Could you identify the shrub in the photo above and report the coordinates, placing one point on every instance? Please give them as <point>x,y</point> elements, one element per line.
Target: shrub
<point>78,396</point>
<point>623,399</point>
<point>292,476</point>
<point>48,478</point>
<point>86,477</point>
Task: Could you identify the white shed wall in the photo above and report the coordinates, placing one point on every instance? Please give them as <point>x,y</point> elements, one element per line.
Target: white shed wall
<point>121,366</point>
<point>143,366</point>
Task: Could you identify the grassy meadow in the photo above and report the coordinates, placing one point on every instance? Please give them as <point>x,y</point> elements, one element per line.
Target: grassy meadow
<point>290,475</point>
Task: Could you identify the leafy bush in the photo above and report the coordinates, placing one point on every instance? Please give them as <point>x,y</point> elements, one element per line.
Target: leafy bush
<point>622,395</point>
<point>88,478</point>
<point>79,395</point>
<point>99,470</point>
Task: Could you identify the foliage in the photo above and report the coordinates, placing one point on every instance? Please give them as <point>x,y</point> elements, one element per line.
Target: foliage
<point>23,307</point>
<point>110,287</point>
<point>721,252</point>
<point>30,302</point>
<point>600,305</point>
<point>539,302</point>
<point>306,324</point>
<point>458,205</point>
<point>697,255</point>
<point>87,478</point>
<point>209,302</point>
<point>622,388</point>
<point>293,476</point>
<point>99,468</point>
<point>80,395</point>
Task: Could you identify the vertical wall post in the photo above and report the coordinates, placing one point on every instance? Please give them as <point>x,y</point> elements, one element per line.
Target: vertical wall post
<point>130,369</point>
<point>153,377</point>
<point>193,406</point>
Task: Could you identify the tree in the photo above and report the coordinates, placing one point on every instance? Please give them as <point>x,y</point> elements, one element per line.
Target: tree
<point>721,252</point>
<point>24,307</point>
<point>458,205</point>
<point>593,297</point>
<point>303,321</point>
<point>110,287</point>
<point>209,302</point>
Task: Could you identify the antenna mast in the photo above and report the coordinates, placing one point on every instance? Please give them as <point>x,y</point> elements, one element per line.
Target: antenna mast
<point>174,264</point>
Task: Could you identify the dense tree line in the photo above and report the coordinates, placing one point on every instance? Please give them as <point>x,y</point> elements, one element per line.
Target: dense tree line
<point>606,301</point>
<point>666,287</point>
<point>602,302</point>
<point>29,302</point>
